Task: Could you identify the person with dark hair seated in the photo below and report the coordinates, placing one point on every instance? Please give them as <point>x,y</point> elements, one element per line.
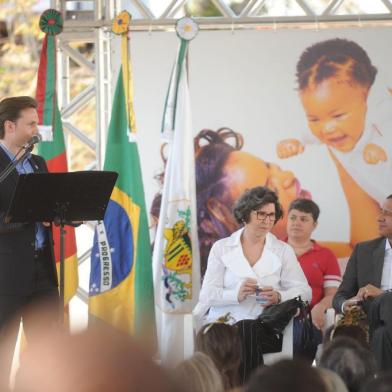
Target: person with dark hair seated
<point>286,375</point>
<point>367,282</point>
<point>320,267</point>
<point>350,360</point>
<point>250,261</point>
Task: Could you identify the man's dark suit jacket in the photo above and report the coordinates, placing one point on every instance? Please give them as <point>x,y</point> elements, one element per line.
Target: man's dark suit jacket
<point>17,240</point>
<point>364,267</point>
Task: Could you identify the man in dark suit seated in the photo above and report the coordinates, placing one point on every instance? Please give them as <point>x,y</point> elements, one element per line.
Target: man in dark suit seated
<point>367,282</point>
<point>27,269</point>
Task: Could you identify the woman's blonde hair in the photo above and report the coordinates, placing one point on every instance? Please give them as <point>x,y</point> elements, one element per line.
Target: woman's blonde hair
<point>198,374</point>
<point>332,380</point>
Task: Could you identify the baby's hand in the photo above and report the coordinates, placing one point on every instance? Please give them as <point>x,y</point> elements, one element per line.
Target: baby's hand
<point>288,148</point>
<point>373,154</point>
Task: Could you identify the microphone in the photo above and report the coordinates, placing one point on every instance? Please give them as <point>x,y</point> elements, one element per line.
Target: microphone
<point>34,140</point>
<point>27,149</point>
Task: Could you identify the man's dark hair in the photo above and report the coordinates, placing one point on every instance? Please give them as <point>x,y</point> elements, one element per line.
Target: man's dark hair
<point>252,200</point>
<point>390,196</point>
<point>306,205</point>
<point>10,109</point>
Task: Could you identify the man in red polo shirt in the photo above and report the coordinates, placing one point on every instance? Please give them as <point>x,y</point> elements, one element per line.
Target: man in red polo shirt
<point>319,264</point>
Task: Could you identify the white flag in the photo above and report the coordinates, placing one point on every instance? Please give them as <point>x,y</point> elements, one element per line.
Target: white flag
<point>176,261</point>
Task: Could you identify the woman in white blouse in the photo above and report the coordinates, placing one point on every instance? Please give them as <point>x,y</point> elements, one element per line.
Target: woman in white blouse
<point>251,259</point>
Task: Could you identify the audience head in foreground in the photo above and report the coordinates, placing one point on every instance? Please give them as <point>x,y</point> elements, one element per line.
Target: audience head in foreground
<point>198,374</point>
<point>96,360</point>
<point>350,360</point>
<point>286,375</point>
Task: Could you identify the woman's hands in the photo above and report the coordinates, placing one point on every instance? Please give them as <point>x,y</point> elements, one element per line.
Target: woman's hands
<point>248,287</point>
<point>271,295</point>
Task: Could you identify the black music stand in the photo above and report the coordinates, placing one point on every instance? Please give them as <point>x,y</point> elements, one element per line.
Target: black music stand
<point>61,198</point>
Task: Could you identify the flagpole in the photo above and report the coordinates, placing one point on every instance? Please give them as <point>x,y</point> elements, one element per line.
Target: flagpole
<point>62,274</point>
<point>176,255</point>
<point>52,148</point>
<point>59,220</point>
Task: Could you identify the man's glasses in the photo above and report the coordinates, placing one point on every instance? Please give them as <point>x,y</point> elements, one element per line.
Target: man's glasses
<point>261,215</point>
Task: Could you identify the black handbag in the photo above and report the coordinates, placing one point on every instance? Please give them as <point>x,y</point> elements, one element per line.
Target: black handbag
<point>305,344</point>
<point>257,339</point>
<point>276,317</point>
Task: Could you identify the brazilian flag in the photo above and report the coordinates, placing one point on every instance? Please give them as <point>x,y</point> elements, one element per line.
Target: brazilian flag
<point>121,287</point>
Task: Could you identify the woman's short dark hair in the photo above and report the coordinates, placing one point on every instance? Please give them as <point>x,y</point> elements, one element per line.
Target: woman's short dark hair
<point>10,109</point>
<point>325,59</point>
<point>222,343</point>
<point>252,200</point>
<point>306,205</point>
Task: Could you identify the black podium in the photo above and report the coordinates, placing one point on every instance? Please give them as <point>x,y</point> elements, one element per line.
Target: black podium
<point>61,198</point>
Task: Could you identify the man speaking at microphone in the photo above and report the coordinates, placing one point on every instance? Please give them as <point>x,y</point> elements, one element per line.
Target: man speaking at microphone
<point>27,267</point>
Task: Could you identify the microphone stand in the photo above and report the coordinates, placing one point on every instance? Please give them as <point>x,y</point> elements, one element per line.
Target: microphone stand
<point>59,220</point>
<point>12,165</point>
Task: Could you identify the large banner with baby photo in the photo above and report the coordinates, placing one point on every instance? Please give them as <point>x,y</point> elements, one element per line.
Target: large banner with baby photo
<point>306,113</point>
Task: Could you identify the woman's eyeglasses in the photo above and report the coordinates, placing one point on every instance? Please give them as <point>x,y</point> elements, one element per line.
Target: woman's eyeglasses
<point>261,215</point>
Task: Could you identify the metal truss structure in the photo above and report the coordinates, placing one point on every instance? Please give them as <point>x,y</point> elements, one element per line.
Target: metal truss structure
<point>247,14</point>
<point>90,22</point>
